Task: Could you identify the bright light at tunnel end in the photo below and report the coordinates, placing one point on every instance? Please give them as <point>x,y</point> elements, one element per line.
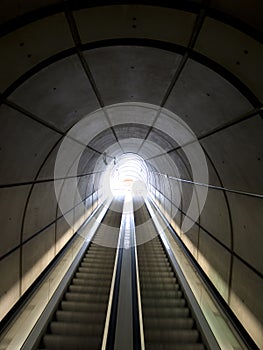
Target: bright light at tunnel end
<point>127,176</point>
<point>121,171</point>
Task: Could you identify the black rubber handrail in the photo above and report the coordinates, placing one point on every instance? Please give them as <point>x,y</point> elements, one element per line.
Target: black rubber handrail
<point>115,298</point>
<point>135,302</point>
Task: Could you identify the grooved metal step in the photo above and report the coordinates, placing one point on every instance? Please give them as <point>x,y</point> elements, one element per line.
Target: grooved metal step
<point>177,323</point>
<point>191,346</point>
<point>88,289</point>
<point>79,317</point>
<point>86,297</point>
<point>81,329</point>
<point>70,342</point>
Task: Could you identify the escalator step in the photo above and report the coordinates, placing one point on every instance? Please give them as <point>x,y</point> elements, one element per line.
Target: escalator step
<point>170,336</point>
<point>88,289</point>
<point>166,302</point>
<point>154,264</point>
<point>95,265</point>
<point>153,255</point>
<point>67,328</point>
<point>160,280</point>
<point>52,341</point>
<point>101,257</point>
<point>100,248</point>
<point>88,282</point>
<point>101,254</point>
<point>93,269</point>
<point>192,346</point>
<point>153,261</point>
<point>169,323</point>
<point>97,298</point>
<point>85,307</point>
<point>148,285</point>
<point>157,274</point>
<point>161,293</point>
<point>166,312</point>
<point>147,248</point>
<point>155,268</point>
<point>79,316</point>
<point>102,275</point>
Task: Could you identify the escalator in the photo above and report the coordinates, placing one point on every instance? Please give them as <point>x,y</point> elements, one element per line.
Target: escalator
<point>167,319</point>
<point>124,291</point>
<point>79,321</point>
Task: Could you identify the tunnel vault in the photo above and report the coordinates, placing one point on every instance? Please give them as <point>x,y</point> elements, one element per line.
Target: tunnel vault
<point>200,61</point>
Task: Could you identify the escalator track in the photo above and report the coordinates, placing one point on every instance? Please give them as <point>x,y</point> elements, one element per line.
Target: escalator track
<point>167,318</point>
<point>79,321</point>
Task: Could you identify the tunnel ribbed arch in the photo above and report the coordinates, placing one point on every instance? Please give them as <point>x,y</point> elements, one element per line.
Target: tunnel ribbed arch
<point>208,88</point>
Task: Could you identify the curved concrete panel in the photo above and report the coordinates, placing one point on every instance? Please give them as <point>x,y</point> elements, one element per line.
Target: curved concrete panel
<point>215,215</point>
<point>150,22</point>
<point>138,65</point>
<point>24,48</point>
<point>60,94</point>
<point>205,100</point>
<point>234,50</point>
<point>41,210</point>
<point>203,64</point>
<point>12,204</point>
<point>24,146</point>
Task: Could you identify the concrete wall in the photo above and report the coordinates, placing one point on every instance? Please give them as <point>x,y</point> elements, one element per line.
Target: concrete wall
<point>134,54</point>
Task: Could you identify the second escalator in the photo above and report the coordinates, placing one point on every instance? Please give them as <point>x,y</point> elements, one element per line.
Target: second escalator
<point>168,321</point>
<point>79,321</point>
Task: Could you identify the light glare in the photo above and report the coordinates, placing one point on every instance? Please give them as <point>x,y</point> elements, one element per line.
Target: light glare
<point>126,175</point>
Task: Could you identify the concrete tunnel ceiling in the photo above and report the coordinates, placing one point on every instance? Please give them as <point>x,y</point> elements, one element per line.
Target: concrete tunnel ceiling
<point>142,156</point>
<point>198,60</point>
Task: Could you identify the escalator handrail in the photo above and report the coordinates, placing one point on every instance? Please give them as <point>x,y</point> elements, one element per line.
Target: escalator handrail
<point>138,330</point>
<point>111,317</point>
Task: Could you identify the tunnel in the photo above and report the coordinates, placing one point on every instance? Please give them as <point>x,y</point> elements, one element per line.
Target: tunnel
<point>131,139</point>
